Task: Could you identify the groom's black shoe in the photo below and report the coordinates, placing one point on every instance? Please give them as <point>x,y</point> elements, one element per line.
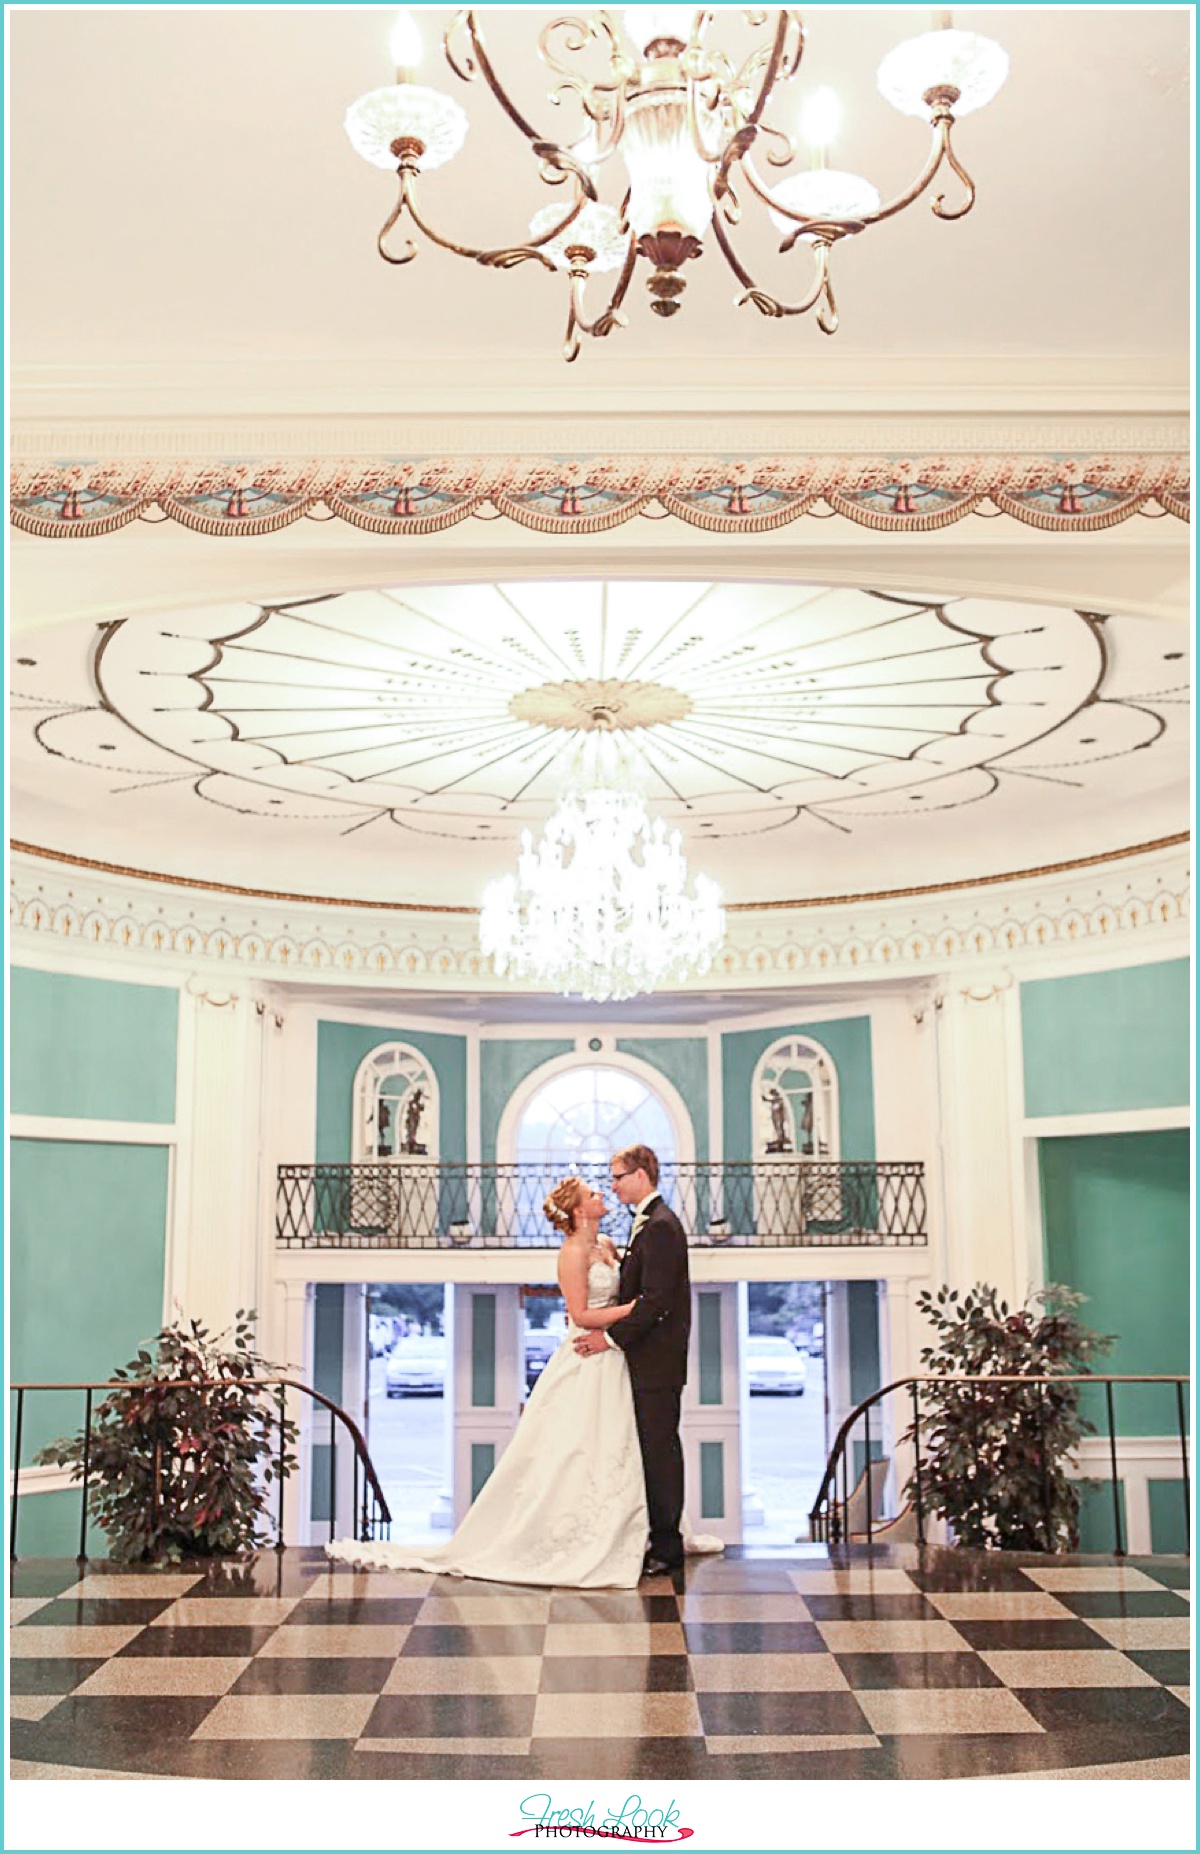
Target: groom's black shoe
<point>657,1567</point>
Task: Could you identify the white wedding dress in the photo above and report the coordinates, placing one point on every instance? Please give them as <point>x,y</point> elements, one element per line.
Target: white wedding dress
<point>566,1502</point>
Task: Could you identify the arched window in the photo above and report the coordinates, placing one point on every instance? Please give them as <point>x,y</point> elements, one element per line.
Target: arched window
<point>795,1102</point>
<point>581,1116</point>
<point>396,1107</point>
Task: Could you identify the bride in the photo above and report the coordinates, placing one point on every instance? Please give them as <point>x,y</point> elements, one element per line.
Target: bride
<point>566,1503</point>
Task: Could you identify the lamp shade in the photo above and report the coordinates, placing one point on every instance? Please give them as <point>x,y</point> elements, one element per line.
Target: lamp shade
<point>976,67</point>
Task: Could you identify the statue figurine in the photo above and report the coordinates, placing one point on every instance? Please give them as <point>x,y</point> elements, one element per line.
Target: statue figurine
<point>383,1147</point>
<point>414,1107</point>
<point>779,1117</point>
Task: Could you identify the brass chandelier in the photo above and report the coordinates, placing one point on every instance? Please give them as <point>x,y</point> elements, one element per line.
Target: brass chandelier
<point>687,126</point>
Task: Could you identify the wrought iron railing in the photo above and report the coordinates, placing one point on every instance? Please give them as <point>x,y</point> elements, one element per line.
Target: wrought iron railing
<point>427,1204</point>
<point>370,1514</point>
<point>830,1518</point>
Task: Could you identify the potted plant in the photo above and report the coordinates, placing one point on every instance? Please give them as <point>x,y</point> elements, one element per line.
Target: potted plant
<point>993,1458</point>
<point>182,1456</point>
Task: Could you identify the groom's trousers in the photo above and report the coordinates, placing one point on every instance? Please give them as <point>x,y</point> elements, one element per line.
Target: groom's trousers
<point>657,1415</point>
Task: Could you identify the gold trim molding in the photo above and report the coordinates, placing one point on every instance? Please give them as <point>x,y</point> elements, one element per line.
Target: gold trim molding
<point>401,946</point>
<point>868,898</point>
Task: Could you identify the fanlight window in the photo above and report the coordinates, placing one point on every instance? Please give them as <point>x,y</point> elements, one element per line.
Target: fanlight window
<point>582,1116</point>
<point>795,1103</point>
<point>396,1109</point>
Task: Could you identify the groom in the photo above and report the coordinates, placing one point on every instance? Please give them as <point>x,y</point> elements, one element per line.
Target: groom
<point>654,1339</point>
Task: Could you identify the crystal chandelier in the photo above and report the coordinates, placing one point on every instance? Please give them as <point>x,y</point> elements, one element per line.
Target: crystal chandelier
<point>682,126</point>
<point>599,905</point>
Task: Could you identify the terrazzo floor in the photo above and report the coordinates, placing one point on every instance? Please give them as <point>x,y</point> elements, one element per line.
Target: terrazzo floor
<point>889,1664</point>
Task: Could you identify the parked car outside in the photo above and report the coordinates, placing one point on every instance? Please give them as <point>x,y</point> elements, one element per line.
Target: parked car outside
<point>774,1364</point>
<point>541,1343</point>
<point>416,1367</point>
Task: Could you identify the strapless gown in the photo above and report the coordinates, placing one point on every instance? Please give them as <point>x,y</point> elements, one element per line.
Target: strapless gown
<point>566,1502</point>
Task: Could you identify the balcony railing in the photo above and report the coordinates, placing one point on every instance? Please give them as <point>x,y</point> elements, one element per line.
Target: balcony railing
<point>448,1204</point>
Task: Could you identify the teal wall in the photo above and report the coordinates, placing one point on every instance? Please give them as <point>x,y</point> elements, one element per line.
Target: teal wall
<point>1115,1215</point>
<point>340,1049</point>
<point>504,1063</point>
<point>328,1318</point>
<point>862,1321</point>
<point>848,1041</point>
<point>93,1049</point>
<point>684,1062</point>
<point>1102,1041</point>
<point>88,1245</point>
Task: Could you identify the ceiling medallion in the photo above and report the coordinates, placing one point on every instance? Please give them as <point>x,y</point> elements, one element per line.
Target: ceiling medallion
<point>599,907</point>
<point>593,704</point>
<point>685,123</point>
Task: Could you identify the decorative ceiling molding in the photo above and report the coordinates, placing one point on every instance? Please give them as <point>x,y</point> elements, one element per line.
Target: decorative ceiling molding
<point>87,865</point>
<point>723,493</point>
<point>1027,924</point>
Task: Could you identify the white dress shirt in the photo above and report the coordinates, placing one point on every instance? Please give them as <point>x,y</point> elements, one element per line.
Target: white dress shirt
<point>639,1217</point>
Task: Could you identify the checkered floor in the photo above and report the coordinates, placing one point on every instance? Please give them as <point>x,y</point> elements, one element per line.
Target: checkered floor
<point>896,1664</point>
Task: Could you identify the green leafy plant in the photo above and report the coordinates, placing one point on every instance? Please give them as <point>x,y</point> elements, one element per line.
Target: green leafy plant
<point>993,1457</point>
<point>181,1458</point>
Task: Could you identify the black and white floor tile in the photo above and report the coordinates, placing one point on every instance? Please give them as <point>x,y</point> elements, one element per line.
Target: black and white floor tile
<point>887,1665</point>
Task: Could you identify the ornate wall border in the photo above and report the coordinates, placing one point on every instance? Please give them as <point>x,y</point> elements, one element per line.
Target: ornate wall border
<point>563,495</point>
<point>1136,899</point>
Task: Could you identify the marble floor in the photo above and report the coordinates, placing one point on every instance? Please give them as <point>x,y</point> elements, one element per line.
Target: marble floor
<point>888,1664</point>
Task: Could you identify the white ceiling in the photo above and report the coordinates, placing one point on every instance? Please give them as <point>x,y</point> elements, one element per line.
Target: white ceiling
<point>183,194</point>
<point>807,741</point>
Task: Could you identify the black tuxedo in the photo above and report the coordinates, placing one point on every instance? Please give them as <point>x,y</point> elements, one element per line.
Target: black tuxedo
<point>654,1339</point>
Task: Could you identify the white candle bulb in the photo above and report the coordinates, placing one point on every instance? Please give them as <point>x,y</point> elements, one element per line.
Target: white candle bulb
<point>404,43</point>
<point>820,118</point>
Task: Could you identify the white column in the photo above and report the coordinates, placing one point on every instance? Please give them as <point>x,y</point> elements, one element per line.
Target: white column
<point>983,1240</point>
<point>837,1358</point>
<point>714,1420</point>
<point>491,1420</point>
<point>213,1264</point>
<point>353,1398</point>
<point>292,1349</point>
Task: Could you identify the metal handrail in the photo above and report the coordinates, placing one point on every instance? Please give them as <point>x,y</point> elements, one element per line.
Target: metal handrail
<point>827,1523</point>
<point>366,1520</point>
<point>413,1202</point>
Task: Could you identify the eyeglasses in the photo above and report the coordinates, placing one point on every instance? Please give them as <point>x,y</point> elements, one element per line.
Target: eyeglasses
<point>617,1176</point>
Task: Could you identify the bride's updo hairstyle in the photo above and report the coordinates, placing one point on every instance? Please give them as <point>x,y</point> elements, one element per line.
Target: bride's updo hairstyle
<point>559,1207</point>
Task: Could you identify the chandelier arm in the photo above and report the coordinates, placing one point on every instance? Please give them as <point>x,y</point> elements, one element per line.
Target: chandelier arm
<point>609,317</point>
<point>602,103</point>
<point>770,305</point>
<point>555,160</point>
<point>501,258</point>
<point>711,156</point>
<point>952,161</point>
<point>461,63</point>
<point>830,230</point>
<point>730,255</point>
<point>492,81</point>
<point>940,150</point>
<point>410,251</point>
<point>774,63</point>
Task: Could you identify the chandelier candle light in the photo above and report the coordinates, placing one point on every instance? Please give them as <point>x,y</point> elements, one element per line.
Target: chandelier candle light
<point>599,905</point>
<point>682,125</point>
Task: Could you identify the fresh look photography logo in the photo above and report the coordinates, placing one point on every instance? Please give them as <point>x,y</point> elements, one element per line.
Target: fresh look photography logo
<point>631,1820</point>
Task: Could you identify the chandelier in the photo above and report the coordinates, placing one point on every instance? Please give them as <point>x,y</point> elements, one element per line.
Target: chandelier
<point>599,905</point>
<point>683,128</point>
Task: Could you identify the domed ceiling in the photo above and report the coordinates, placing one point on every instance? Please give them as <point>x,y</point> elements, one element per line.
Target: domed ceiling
<point>809,741</point>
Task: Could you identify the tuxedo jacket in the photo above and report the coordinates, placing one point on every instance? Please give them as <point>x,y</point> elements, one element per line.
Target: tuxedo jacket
<point>654,1272</point>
